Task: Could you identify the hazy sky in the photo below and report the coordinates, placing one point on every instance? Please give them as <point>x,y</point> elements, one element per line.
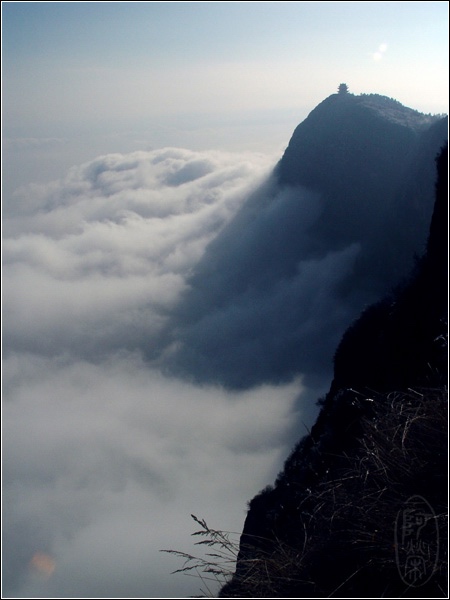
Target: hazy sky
<point>81,63</point>
<point>84,78</point>
<point>132,134</point>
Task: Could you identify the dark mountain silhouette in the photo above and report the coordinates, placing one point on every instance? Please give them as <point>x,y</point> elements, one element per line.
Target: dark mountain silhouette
<point>333,229</point>
<point>366,154</point>
<point>360,507</point>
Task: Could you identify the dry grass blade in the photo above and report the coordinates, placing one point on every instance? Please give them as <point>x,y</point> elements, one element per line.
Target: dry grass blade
<point>215,567</point>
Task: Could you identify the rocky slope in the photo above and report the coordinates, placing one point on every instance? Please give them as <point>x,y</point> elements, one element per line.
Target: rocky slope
<point>332,230</point>
<point>360,508</point>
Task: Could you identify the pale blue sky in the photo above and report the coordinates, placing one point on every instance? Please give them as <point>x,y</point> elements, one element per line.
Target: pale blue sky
<point>107,458</point>
<point>207,74</point>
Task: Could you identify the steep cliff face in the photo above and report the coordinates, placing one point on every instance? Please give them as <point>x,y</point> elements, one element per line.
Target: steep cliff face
<point>331,526</point>
<point>397,342</point>
<point>378,175</point>
<point>329,232</point>
<point>372,132</point>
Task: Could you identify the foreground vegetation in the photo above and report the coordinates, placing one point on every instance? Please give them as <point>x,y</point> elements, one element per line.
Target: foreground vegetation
<point>346,536</point>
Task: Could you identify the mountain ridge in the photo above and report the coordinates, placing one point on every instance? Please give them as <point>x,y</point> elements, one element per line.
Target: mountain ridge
<point>378,444</point>
<point>395,111</point>
<point>313,245</point>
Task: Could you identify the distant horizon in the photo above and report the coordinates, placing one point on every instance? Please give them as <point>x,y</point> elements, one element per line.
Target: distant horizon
<point>47,155</point>
<point>82,79</point>
<point>133,135</point>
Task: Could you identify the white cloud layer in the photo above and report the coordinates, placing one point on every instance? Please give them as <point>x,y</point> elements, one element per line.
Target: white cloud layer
<point>93,262</point>
<point>104,457</point>
<point>103,464</point>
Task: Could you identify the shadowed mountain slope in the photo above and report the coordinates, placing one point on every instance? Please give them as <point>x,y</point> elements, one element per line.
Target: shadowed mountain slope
<point>379,445</point>
<point>332,230</point>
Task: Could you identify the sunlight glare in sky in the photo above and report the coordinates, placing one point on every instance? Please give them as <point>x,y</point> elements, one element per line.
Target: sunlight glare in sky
<point>133,132</point>
<point>42,564</point>
<point>378,55</point>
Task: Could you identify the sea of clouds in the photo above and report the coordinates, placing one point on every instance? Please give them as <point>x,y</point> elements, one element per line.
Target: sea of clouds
<point>106,455</point>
